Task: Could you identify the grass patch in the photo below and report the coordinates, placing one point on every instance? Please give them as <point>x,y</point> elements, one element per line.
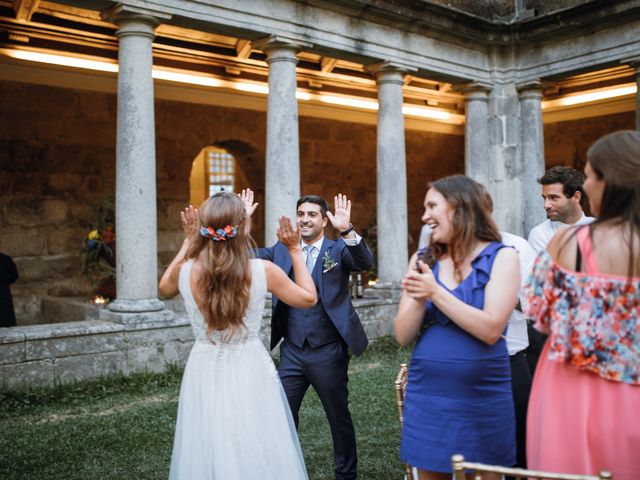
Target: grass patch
<point>122,427</point>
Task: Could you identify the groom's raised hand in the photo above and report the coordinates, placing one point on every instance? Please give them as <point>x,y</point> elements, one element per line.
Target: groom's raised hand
<point>341,216</point>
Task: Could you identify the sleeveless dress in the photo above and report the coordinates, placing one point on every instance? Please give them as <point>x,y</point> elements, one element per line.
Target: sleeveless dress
<point>459,396</point>
<point>233,420</point>
<point>584,410</point>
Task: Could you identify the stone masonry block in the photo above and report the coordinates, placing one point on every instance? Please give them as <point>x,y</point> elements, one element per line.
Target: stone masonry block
<point>65,240</point>
<point>27,374</point>
<point>81,367</point>
<point>77,345</point>
<point>12,346</point>
<point>24,212</point>
<point>55,211</point>
<point>156,358</point>
<point>496,130</point>
<point>155,337</point>
<point>20,242</point>
<point>47,268</point>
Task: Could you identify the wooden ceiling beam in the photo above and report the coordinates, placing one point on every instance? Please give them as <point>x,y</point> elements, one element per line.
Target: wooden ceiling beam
<point>24,9</point>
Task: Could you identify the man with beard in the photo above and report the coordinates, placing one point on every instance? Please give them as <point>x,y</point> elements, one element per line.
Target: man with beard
<point>563,199</point>
<point>315,350</point>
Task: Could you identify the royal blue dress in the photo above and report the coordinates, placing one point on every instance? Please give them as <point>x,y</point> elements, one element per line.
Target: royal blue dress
<point>459,388</point>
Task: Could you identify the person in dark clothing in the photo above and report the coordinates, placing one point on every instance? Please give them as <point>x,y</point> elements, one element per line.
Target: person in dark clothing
<point>8,275</point>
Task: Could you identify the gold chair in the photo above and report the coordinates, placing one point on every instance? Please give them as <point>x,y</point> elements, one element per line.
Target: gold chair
<point>401,390</point>
<point>459,467</point>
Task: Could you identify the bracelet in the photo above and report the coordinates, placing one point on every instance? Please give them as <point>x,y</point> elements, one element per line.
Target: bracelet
<point>347,231</point>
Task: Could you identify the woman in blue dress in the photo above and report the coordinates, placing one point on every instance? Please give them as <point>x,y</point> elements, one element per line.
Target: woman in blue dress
<point>457,298</point>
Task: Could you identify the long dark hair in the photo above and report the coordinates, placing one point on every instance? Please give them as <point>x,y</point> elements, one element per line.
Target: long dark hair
<point>225,282</point>
<point>471,222</point>
<point>615,158</point>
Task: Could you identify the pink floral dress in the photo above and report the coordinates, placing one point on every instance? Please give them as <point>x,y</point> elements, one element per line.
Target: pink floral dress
<point>584,409</point>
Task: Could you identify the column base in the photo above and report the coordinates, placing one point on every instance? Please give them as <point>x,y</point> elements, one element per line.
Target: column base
<point>386,290</point>
<point>135,306</point>
<point>137,318</point>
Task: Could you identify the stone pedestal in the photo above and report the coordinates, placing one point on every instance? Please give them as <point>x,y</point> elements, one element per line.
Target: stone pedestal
<point>531,152</point>
<point>137,264</point>
<point>477,162</point>
<point>635,63</point>
<point>391,174</point>
<point>282,172</point>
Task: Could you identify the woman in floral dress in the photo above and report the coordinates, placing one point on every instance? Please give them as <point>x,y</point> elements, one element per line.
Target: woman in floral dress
<point>584,411</point>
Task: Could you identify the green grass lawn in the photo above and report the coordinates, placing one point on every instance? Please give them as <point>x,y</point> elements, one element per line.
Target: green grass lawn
<point>122,428</point>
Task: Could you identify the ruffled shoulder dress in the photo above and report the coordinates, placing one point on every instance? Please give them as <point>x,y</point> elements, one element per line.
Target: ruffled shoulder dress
<point>458,397</point>
<point>584,409</point>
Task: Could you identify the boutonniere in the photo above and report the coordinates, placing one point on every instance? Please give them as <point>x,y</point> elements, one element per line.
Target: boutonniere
<point>327,262</point>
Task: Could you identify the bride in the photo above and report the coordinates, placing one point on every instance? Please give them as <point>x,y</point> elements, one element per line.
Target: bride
<point>233,420</point>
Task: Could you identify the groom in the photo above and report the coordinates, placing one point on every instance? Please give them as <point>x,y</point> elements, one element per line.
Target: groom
<point>316,340</point>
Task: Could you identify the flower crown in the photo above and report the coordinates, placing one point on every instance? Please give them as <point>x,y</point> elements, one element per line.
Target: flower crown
<point>221,234</point>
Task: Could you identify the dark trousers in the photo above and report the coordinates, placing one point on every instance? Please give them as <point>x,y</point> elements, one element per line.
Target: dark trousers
<point>325,369</point>
<point>521,387</point>
<point>536,344</point>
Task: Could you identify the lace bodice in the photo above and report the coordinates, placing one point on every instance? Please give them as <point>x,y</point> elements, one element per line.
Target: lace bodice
<point>252,317</point>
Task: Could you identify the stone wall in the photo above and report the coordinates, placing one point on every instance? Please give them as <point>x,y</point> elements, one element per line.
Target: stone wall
<point>39,355</point>
<point>57,162</point>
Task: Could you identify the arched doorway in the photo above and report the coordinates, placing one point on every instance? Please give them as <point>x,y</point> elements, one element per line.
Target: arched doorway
<point>213,170</point>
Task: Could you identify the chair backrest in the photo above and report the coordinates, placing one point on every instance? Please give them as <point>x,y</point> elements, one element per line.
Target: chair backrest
<point>401,390</point>
<point>460,466</point>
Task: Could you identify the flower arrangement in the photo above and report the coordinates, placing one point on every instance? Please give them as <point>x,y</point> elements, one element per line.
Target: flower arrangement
<point>99,252</point>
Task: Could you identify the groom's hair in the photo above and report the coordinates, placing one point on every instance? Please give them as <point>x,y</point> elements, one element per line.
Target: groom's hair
<point>318,200</point>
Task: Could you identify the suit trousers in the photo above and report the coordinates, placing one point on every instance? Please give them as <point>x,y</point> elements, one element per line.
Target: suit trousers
<point>521,388</point>
<point>324,368</point>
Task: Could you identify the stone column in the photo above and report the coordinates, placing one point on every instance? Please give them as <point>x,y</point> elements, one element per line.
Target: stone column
<point>137,258</point>
<point>635,63</point>
<point>532,152</point>
<point>391,175</point>
<point>282,170</point>
<point>476,141</point>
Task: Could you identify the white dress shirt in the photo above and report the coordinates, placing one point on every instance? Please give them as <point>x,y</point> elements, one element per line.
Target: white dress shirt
<point>540,235</point>
<point>318,245</point>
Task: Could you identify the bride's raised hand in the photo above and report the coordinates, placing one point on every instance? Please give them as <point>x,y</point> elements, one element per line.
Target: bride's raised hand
<point>190,221</point>
<point>287,234</point>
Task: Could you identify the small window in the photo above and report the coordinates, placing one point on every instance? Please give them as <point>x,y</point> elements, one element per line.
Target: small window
<point>222,170</point>
<point>212,171</point>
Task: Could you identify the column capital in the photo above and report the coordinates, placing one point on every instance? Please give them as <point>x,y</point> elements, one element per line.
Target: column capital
<point>389,71</point>
<point>633,63</point>
<point>134,20</point>
<point>475,90</point>
<point>531,89</point>
<point>272,42</point>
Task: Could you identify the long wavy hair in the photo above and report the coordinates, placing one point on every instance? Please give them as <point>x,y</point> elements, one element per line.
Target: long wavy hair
<point>225,282</point>
<point>615,158</point>
<point>472,221</point>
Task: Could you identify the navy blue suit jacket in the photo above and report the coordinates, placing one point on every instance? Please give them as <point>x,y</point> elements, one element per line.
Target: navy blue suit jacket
<point>333,288</point>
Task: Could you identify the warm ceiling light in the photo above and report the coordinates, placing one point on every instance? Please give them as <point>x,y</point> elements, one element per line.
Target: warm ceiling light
<point>426,112</point>
<point>179,77</point>
<point>250,87</point>
<point>186,78</point>
<point>592,96</point>
<point>348,102</point>
<point>62,60</point>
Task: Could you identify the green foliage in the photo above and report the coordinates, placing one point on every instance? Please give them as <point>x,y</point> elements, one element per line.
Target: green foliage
<point>122,427</point>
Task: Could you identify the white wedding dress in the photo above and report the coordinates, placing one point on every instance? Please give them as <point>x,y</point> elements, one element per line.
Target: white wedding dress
<point>233,421</point>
